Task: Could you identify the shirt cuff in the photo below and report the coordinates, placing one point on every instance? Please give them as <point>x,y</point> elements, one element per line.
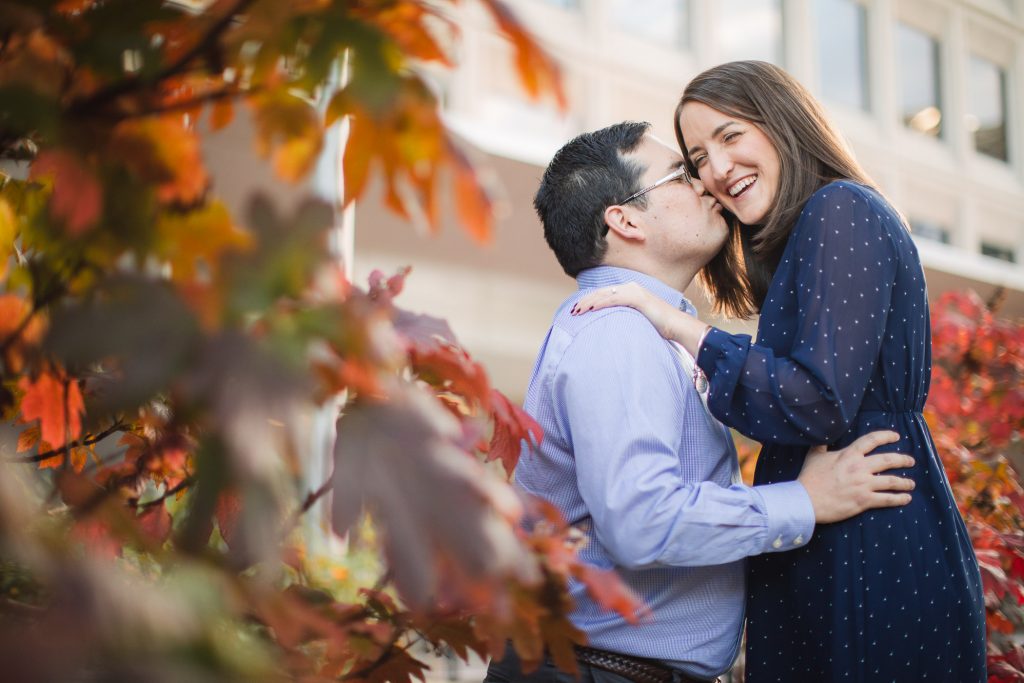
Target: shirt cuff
<point>790,516</point>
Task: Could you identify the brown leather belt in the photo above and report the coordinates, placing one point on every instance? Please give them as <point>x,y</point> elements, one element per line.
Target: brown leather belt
<point>635,669</point>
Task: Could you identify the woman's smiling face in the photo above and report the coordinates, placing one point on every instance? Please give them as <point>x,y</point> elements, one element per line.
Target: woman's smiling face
<point>735,160</point>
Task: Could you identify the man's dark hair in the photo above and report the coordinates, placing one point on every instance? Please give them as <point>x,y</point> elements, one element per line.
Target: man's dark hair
<point>585,177</point>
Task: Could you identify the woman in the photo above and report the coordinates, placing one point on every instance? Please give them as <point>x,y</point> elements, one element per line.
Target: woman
<point>843,348</point>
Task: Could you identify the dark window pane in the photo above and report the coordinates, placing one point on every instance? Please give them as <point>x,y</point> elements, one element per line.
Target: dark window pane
<point>749,29</point>
<point>662,21</point>
<point>929,230</point>
<point>999,252</point>
<point>918,63</point>
<point>986,107</point>
<point>842,52</point>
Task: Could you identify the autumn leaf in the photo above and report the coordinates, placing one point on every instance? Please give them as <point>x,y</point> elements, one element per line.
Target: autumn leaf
<point>222,113</point>
<point>8,231</point>
<point>198,238</point>
<point>228,509</point>
<point>396,459</point>
<point>289,131</point>
<point>28,439</point>
<point>163,151</point>
<point>77,199</point>
<point>155,523</point>
<point>512,428</point>
<point>20,330</point>
<point>56,402</point>
<point>449,368</point>
<point>537,72</point>
<point>608,591</point>
<point>471,201</point>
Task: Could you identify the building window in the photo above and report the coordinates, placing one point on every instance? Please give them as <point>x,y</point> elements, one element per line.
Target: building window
<point>749,29</point>
<point>920,96</point>
<point>843,52</point>
<point>929,230</point>
<point>662,21</point>
<point>987,107</point>
<point>998,251</point>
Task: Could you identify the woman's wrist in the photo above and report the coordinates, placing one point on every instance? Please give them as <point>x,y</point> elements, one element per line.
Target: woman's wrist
<point>687,330</point>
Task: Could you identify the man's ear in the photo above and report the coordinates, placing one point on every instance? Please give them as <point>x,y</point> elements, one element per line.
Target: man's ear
<point>624,222</point>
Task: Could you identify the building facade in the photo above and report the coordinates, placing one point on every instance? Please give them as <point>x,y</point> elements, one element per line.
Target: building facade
<point>929,93</point>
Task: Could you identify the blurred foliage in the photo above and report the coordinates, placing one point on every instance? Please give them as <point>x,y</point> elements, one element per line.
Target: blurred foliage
<point>164,361</point>
<point>976,413</point>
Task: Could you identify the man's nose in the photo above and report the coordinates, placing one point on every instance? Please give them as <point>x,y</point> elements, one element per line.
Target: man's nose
<point>698,186</point>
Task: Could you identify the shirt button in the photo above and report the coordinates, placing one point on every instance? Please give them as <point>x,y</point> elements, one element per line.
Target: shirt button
<point>777,543</point>
<point>798,540</point>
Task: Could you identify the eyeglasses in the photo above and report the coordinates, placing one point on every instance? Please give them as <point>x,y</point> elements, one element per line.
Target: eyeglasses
<point>680,172</point>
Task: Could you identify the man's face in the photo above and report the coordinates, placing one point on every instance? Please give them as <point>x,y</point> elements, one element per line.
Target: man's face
<point>682,222</point>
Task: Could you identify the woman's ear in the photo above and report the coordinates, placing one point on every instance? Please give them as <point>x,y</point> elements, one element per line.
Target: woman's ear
<point>622,220</point>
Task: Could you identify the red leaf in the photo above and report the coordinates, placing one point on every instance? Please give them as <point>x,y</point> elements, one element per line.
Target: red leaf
<point>155,522</point>
<point>512,425</point>
<point>609,592</point>
<point>77,196</point>
<point>56,408</point>
<point>229,506</point>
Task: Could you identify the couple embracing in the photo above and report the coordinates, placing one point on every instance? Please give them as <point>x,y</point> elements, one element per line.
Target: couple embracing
<point>847,560</point>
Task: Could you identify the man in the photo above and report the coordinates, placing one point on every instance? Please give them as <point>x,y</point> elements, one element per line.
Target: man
<point>631,456</point>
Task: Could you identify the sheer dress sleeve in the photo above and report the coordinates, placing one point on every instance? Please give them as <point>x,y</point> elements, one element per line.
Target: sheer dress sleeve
<point>842,264</point>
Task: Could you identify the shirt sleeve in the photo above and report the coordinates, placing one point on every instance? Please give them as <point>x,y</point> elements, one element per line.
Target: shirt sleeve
<point>845,264</point>
<point>620,396</point>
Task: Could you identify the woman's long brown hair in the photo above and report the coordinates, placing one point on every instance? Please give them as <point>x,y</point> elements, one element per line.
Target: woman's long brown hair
<point>811,155</point>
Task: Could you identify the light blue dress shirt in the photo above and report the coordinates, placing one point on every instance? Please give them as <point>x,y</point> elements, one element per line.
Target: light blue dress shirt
<point>632,457</point>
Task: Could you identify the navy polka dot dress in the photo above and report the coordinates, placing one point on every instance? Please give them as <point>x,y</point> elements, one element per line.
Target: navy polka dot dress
<point>844,348</point>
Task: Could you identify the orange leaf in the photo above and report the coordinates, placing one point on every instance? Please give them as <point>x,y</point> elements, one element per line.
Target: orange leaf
<point>13,313</point>
<point>471,201</point>
<point>28,439</point>
<point>222,113</point>
<point>79,456</point>
<point>162,151</point>
<point>8,231</point>
<point>58,410</point>
<point>77,196</point>
<point>537,71</point>
<point>359,152</point>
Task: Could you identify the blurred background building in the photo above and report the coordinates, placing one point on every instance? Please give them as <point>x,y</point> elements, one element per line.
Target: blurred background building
<point>930,94</point>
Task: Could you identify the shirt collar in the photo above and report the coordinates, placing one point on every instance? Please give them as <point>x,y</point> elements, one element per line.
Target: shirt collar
<point>604,276</point>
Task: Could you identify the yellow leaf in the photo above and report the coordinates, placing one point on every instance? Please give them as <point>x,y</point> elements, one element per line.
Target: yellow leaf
<point>8,231</point>
<point>288,128</point>
<point>79,456</point>
<point>199,236</point>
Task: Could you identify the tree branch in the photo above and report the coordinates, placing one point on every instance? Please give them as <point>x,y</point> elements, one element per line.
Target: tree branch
<point>180,486</point>
<point>46,455</point>
<point>134,83</point>
<point>207,98</point>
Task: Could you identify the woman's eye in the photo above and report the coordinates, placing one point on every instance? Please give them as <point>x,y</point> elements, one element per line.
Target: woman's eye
<point>698,161</point>
<point>729,137</point>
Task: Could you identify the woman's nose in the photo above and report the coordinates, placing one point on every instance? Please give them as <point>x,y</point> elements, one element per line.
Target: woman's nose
<point>719,165</point>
